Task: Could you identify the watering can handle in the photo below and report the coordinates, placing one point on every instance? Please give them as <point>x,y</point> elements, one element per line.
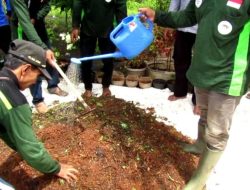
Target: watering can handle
<point>118,28</point>
<point>150,23</point>
<point>115,31</point>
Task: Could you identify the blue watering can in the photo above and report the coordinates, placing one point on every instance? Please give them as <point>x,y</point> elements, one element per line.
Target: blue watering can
<point>131,37</point>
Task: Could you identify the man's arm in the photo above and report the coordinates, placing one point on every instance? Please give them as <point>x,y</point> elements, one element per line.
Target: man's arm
<point>179,19</point>
<point>21,138</point>
<point>77,13</point>
<point>8,5</point>
<point>21,11</point>
<point>174,5</point>
<point>19,128</point>
<point>44,11</point>
<point>76,19</point>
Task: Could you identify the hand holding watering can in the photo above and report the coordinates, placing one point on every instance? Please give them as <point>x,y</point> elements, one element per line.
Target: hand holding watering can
<point>131,37</point>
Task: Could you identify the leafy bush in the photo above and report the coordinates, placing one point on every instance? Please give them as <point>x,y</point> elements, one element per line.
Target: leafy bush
<point>134,5</point>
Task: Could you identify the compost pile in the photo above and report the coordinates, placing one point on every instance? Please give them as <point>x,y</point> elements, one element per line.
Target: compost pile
<point>117,146</point>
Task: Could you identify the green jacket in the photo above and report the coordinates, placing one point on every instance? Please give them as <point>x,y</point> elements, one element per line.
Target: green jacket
<point>38,9</point>
<point>21,12</point>
<point>98,15</point>
<point>16,126</point>
<point>222,53</point>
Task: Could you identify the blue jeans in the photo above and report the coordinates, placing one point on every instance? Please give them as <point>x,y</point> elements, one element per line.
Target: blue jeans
<point>36,89</point>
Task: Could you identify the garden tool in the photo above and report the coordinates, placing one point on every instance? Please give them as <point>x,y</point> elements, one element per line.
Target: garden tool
<point>79,97</point>
<point>131,37</point>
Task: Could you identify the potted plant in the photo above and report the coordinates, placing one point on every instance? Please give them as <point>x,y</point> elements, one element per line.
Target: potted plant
<point>160,64</point>
<point>137,65</point>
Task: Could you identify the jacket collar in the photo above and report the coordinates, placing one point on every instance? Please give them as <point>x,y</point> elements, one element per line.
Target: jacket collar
<point>5,72</point>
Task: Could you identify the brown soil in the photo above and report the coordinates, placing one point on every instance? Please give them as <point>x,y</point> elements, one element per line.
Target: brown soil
<point>117,146</point>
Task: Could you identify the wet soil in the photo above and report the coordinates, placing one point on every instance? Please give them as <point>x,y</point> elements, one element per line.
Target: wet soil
<point>115,147</point>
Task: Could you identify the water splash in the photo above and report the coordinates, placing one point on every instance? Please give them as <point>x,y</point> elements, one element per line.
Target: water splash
<point>74,73</point>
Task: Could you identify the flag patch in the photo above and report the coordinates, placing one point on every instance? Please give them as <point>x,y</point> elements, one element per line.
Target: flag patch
<point>235,3</point>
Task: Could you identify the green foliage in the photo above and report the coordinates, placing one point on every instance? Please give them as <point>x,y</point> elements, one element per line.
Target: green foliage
<point>138,62</point>
<point>56,24</point>
<point>64,5</point>
<point>134,5</point>
<point>162,4</point>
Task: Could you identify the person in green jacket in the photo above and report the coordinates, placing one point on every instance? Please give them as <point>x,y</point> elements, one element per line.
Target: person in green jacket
<point>24,63</point>
<point>220,71</point>
<point>21,12</point>
<point>29,14</point>
<point>96,25</point>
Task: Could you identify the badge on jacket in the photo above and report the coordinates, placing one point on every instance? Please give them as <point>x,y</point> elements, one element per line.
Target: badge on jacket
<point>224,27</point>
<point>198,3</point>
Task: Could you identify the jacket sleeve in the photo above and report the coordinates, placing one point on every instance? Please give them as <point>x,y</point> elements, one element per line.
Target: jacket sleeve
<point>179,19</point>
<point>77,13</point>
<point>44,11</point>
<point>120,10</point>
<point>174,5</point>
<point>8,5</point>
<point>19,129</point>
<point>8,8</point>
<point>22,13</point>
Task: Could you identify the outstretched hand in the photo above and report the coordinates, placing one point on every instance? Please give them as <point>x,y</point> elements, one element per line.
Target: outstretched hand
<point>147,13</point>
<point>68,172</point>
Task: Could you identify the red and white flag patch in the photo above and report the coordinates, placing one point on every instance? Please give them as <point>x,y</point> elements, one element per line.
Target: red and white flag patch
<point>235,3</point>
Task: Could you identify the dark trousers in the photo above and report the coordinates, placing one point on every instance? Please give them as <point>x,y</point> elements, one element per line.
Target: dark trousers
<point>182,59</point>
<point>5,38</point>
<point>87,48</point>
<point>36,89</point>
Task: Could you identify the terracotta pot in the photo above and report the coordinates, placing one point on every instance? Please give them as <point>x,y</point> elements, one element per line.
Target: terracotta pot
<point>132,80</point>
<point>118,79</point>
<point>145,82</point>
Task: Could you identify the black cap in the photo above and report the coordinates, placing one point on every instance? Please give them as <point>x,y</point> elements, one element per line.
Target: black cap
<point>30,53</point>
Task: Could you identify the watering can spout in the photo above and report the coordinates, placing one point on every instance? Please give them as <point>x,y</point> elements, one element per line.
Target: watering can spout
<point>75,60</point>
<point>116,54</point>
